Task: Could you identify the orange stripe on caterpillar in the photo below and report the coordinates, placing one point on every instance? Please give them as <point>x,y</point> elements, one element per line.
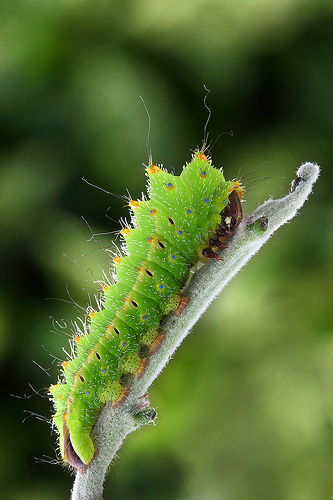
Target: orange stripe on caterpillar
<point>142,370</point>
<point>156,344</point>
<point>122,397</point>
<point>182,305</point>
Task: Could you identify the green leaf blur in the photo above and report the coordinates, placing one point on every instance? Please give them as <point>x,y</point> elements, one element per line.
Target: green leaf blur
<point>243,406</point>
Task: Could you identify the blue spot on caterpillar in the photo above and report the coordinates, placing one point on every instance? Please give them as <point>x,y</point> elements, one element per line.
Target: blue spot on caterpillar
<point>186,219</point>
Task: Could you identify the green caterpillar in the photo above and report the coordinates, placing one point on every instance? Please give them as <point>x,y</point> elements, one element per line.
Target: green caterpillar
<point>185,220</point>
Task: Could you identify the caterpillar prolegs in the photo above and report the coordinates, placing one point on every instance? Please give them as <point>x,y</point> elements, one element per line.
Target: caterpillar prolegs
<point>186,219</point>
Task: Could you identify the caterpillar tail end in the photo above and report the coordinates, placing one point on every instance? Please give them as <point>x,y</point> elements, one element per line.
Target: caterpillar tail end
<point>78,449</point>
<point>73,459</point>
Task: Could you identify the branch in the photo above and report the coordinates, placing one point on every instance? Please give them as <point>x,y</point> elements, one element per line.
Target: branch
<point>206,283</point>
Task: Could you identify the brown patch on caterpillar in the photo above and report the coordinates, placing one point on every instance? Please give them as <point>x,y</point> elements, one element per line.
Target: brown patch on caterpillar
<point>223,233</point>
<point>151,342</point>
<point>210,254</point>
<point>215,242</point>
<point>156,344</point>
<point>177,303</point>
<point>136,366</point>
<point>142,370</point>
<point>70,455</point>
<point>125,391</point>
<point>73,459</point>
<point>182,305</point>
<point>231,216</point>
<point>84,468</point>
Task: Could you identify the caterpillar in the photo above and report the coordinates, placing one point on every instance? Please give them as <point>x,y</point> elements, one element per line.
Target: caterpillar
<point>185,220</point>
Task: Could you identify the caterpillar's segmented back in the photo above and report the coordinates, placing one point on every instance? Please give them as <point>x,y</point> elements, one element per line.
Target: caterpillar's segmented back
<point>187,218</point>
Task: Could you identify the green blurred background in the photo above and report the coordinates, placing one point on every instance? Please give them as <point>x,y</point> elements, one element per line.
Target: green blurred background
<point>243,406</point>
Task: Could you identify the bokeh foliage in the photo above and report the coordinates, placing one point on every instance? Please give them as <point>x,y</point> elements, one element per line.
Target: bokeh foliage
<point>243,407</point>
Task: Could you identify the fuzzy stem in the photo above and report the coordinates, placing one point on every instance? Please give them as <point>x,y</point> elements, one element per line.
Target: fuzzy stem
<point>207,282</point>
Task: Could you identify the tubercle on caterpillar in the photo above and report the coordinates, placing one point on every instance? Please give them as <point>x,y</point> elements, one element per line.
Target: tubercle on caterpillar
<point>187,219</point>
